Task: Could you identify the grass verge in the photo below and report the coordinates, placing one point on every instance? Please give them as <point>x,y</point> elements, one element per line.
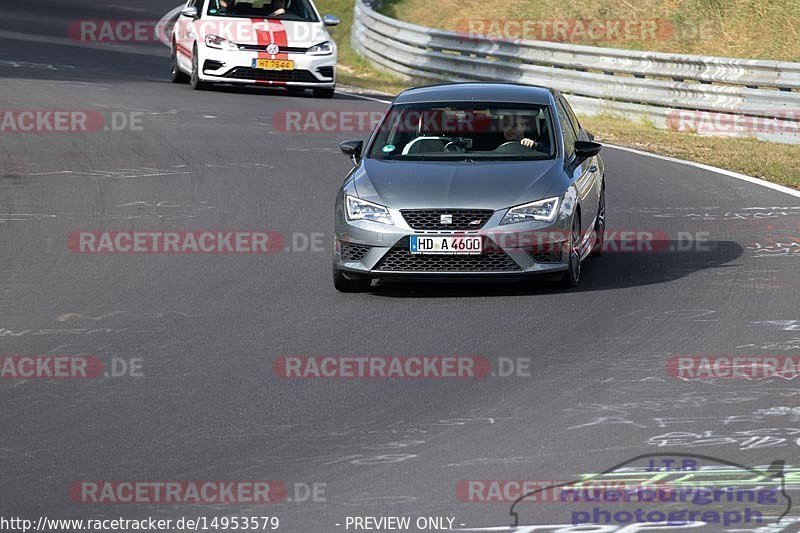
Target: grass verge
<point>353,69</point>
<point>761,29</point>
<point>769,161</point>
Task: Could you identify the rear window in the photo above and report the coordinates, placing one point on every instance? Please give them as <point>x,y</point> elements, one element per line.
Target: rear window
<point>297,10</point>
<point>466,131</point>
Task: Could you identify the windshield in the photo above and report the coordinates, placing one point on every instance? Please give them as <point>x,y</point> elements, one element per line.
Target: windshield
<point>298,10</point>
<point>469,131</point>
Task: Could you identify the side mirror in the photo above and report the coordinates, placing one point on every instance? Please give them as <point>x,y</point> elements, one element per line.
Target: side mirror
<point>587,149</point>
<point>330,20</point>
<point>190,12</point>
<point>352,149</point>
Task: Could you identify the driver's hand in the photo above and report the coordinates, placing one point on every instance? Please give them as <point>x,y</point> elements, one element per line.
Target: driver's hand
<point>528,143</point>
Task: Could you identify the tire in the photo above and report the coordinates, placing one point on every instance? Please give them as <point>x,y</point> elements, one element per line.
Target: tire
<point>194,81</point>
<point>176,74</point>
<point>345,284</point>
<point>326,92</point>
<point>600,226</point>
<point>572,277</point>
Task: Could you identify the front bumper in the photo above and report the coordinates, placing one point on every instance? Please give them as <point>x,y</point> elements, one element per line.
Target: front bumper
<point>225,66</point>
<point>515,250</point>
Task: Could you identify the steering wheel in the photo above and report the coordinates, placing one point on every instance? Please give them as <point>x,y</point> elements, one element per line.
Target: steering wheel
<point>453,147</point>
<point>516,144</point>
<point>508,143</point>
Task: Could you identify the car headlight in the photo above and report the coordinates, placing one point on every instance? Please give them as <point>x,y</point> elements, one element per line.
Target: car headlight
<point>358,209</point>
<point>215,41</point>
<point>542,210</point>
<point>321,49</point>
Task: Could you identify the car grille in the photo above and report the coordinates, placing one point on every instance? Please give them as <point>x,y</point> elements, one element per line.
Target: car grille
<point>400,259</point>
<point>249,73</point>
<point>550,253</point>
<point>263,48</point>
<point>431,219</point>
<point>353,252</point>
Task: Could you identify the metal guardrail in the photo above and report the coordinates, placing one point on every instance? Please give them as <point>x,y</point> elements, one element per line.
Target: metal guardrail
<point>733,96</point>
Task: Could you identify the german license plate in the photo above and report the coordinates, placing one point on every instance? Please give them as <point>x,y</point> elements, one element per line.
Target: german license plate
<point>446,245</point>
<point>273,64</point>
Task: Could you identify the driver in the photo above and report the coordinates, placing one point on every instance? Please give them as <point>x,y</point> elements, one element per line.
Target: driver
<point>514,129</point>
<point>278,8</point>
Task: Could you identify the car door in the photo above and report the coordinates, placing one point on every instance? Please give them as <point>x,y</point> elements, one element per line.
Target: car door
<point>594,165</point>
<point>184,35</point>
<point>580,171</point>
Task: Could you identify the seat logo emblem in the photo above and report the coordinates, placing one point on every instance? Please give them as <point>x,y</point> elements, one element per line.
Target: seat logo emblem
<point>446,219</point>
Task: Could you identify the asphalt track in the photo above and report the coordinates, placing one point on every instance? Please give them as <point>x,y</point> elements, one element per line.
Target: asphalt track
<point>207,328</point>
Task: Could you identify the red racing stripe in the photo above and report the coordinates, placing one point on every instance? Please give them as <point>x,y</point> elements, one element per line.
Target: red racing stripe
<point>179,48</point>
<point>276,34</point>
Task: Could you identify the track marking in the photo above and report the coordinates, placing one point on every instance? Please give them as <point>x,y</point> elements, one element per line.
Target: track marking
<point>743,177</point>
<point>368,98</point>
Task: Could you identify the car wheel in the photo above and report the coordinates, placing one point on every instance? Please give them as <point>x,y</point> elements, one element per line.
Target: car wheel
<point>353,283</point>
<point>326,92</point>
<point>176,74</point>
<point>195,82</point>
<point>572,276</point>
<point>600,226</point>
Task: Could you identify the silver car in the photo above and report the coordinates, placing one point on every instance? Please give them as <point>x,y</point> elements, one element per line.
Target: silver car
<point>470,180</point>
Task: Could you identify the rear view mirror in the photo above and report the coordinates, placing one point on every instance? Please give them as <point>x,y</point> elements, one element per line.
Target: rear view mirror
<point>587,149</point>
<point>190,12</point>
<point>352,149</point>
<point>330,20</point>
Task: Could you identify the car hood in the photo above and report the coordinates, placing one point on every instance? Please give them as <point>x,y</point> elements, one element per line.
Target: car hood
<point>477,185</point>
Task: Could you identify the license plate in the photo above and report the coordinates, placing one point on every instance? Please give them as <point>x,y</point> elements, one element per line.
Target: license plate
<point>435,244</point>
<point>273,64</point>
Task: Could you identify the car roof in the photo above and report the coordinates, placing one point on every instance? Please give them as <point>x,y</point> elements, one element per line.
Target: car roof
<point>480,92</point>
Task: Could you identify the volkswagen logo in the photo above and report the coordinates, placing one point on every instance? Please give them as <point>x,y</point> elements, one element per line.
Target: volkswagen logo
<point>273,48</point>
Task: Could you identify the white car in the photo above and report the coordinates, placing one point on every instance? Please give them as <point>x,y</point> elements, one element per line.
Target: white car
<point>281,43</point>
